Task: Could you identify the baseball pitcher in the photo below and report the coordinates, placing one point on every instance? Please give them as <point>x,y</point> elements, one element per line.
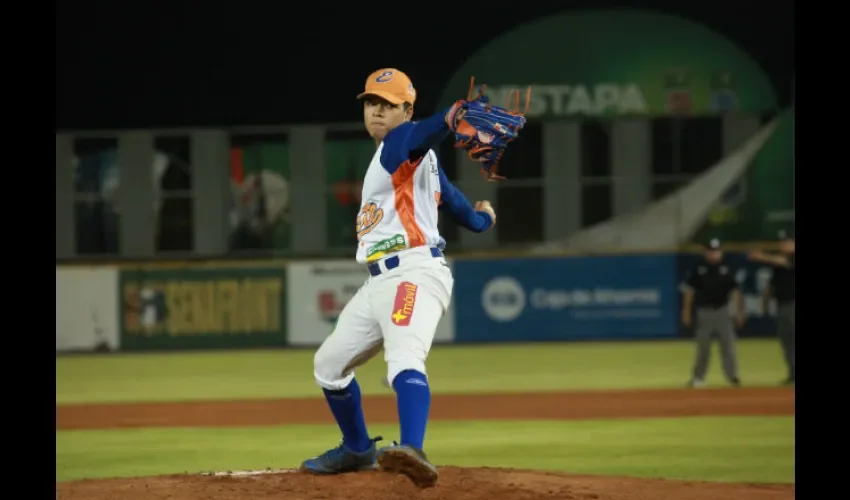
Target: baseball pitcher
<point>409,283</point>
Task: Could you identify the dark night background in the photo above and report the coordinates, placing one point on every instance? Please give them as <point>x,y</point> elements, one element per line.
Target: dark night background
<point>191,63</point>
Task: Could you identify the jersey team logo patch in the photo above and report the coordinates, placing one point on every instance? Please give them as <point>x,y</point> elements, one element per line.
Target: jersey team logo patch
<point>405,300</point>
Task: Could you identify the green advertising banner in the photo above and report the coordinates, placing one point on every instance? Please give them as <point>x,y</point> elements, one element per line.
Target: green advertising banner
<point>614,63</point>
<point>202,308</point>
<point>761,204</point>
<point>260,174</point>
<point>346,164</point>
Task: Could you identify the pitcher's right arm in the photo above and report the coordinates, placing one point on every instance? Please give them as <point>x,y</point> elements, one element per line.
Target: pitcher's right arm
<point>460,209</point>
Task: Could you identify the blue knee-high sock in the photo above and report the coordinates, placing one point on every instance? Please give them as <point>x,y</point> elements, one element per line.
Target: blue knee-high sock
<point>414,403</point>
<point>348,412</point>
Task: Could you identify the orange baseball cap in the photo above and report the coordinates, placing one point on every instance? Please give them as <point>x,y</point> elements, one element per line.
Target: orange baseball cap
<point>390,84</point>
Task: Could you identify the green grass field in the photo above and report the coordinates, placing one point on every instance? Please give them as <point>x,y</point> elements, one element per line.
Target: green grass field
<point>452,369</point>
<point>721,449</point>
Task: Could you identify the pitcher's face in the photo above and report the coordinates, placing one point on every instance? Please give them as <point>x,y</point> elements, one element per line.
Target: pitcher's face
<point>380,116</point>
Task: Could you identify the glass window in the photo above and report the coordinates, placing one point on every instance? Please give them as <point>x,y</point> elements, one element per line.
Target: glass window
<point>701,143</point>
<point>96,179</point>
<point>595,148</point>
<point>519,211</point>
<point>663,151</point>
<point>260,173</point>
<point>172,177</point>
<point>596,203</point>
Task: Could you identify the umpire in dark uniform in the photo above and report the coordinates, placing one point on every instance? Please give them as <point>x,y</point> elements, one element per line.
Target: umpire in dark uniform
<point>781,288</point>
<point>709,287</point>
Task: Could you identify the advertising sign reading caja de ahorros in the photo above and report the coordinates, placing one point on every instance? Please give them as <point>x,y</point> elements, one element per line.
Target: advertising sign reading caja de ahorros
<point>552,299</point>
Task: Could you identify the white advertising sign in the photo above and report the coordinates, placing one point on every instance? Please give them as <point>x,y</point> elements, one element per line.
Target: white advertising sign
<point>87,309</point>
<point>318,290</point>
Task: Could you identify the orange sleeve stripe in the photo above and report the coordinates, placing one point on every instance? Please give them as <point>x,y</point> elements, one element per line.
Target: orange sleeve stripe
<point>404,204</point>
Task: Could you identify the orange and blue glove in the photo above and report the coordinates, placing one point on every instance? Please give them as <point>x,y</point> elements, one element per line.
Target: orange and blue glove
<point>485,130</point>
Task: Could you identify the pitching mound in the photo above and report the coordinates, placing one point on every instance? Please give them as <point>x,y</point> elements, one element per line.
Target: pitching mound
<point>455,484</point>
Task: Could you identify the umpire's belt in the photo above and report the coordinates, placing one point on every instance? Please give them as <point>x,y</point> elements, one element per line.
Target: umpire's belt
<point>395,260</point>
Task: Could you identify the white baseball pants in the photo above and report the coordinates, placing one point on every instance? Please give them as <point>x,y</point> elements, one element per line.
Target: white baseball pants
<point>399,310</point>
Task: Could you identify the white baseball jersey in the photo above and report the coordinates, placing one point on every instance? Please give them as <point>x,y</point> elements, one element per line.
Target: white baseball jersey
<point>400,307</point>
<point>399,207</point>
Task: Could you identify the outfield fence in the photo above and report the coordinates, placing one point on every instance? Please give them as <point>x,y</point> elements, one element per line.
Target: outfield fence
<point>276,303</point>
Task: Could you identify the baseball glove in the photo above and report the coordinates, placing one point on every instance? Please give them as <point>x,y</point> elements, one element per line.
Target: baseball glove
<point>485,130</point>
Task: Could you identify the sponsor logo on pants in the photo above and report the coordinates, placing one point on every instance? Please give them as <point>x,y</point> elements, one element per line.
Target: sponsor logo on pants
<point>405,300</point>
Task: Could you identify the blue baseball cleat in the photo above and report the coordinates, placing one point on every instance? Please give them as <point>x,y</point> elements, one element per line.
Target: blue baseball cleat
<point>410,461</point>
<point>342,459</point>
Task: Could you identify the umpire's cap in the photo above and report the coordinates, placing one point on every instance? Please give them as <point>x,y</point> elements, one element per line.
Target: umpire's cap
<point>713,244</point>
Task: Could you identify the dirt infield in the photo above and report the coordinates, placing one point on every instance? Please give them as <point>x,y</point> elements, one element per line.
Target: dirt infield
<point>382,409</point>
<point>455,483</point>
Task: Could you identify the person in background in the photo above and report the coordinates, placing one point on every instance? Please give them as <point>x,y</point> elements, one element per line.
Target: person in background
<point>709,287</point>
<point>781,288</point>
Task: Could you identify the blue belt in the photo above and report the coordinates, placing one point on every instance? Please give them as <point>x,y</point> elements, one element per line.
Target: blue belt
<point>393,262</point>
